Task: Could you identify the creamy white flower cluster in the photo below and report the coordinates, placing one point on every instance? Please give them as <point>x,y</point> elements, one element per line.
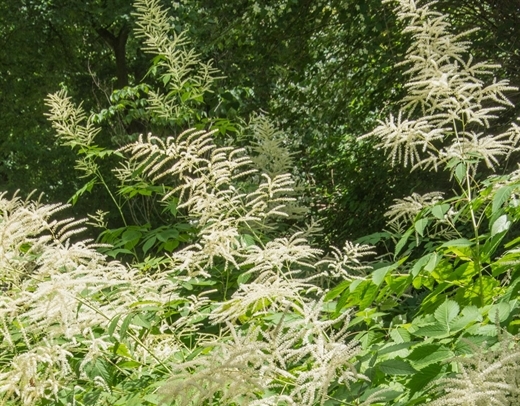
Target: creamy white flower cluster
<point>446,91</point>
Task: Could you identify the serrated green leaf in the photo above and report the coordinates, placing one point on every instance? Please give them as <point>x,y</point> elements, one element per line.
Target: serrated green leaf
<point>367,294</point>
<point>396,367</point>
<point>488,330</point>
<point>99,368</point>
<point>433,330</point>
<point>427,354</point>
<point>113,324</point>
<point>400,335</point>
<point>86,188</point>
<point>432,262</point>
<point>420,225</point>
<point>501,224</point>
<point>398,350</point>
<point>379,274</point>
<point>501,196</point>
<point>122,350</point>
<point>337,290</point>
<point>402,242</point>
<point>422,378</point>
<point>502,310</point>
<point>468,315</point>
<point>439,210</point>
<point>366,339</point>
<point>459,242</point>
<point>446,312</point>
<point>460,172</point>
<point>125,325</point>
<point>419,265</point>
<point>129,364</point>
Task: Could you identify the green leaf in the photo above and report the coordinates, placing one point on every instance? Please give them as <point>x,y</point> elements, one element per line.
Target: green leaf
<point>501,196</point>
<point>400,335</point>
<point>129,364</point>
<point>419,265</point>
<point>336,290</point>
<point>170,245</point>
<point>402,242</point>
<point>86,188</point>
<point>243,278</point>
<point>500,225</point>
<point>491,246</point>
<point>459,242</point>
<point>247,240</point>
<point>116,252</point>
<point>148,244</point>
<point>396,367</point>
<point>460,172</point>
<point>379,274</point>
<point>165,235</point>
<point>468,315</point>
<point>433,330</point>
<point>512,243</point>
<point>125,325</point>
<point>138,320</point>
<point>400,349</point>
<point>113,324</point>
<point>355,283</point>
<point>171,206</point>
<point>426,354</point>
<point>420,225</point>
<point>122,350</point>
<point>488,330</point>
<point>154,399</point>
<point>439,210</point>
<point>131,235</point>
<point>502,310</point>
<point>426,375</point>
<point>99,367</point>
<point>367,296</point>
<point>432,262</point>
<point>446,312</point>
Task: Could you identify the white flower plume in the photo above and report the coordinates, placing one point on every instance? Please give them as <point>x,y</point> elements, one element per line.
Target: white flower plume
<point>447,91</point>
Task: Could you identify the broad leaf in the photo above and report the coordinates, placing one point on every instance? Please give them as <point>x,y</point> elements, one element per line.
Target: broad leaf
<point>439,210</point>
<point>396,367</point>
<point>500,225</point>
<point>446,312</point>
<point>459,242</point>
<point>501,196</point>
<point>427,354</point>
<point>420,225</point>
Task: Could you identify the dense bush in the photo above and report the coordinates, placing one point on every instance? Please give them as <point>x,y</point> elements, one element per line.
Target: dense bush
<point>217,293</point>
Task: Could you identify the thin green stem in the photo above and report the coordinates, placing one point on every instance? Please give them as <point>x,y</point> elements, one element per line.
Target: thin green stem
<point>475,225</point>
<point>102,180</point>
<point>129,333</point>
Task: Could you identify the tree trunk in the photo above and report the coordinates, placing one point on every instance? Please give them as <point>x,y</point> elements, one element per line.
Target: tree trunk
<point>118,45</point>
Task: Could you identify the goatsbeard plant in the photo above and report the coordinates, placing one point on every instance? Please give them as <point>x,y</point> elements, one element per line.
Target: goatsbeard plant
<point>244,310</point>
<point>454,256</point>
<point>235,315</point>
